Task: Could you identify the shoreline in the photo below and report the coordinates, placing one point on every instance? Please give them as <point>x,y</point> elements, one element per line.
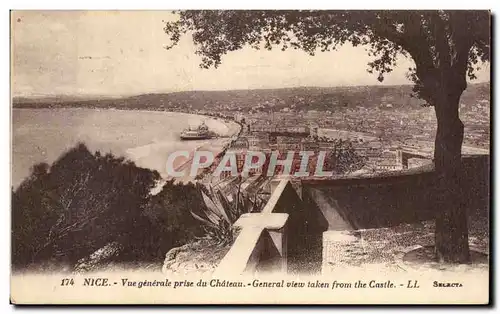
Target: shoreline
<point>149,153</point>
<point>222,120</point>
<point>226,142</point>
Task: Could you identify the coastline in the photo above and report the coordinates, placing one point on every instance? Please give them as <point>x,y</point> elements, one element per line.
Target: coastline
<point>150,154</point>
<point>216,146</point>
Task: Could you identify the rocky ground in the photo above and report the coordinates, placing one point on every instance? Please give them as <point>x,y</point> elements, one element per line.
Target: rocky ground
<point>407,246</point>
<point>198,257</point>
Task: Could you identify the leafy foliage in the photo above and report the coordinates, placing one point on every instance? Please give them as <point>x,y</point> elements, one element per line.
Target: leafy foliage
<point>84,201</point>
<point>169,212</point>
<point>221,211</point>
<point>440,42</point>
<point>343,158</point>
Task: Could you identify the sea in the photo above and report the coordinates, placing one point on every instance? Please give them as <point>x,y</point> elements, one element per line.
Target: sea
<point>144,137</point>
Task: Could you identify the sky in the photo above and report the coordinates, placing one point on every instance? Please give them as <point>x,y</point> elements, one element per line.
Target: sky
<point>122,53</point>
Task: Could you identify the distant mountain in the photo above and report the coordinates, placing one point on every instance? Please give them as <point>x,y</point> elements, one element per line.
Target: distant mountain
<point>58,98</point>
<point>306,98</point>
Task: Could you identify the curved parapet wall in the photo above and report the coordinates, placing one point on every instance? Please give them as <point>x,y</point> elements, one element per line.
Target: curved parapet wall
<point>284,236</point>
<point>383,200</point>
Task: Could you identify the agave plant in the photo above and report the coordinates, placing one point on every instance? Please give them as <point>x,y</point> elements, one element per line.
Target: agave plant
<point>222,210</point>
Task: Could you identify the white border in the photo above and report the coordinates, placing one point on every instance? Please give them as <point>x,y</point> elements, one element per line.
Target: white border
<point>165,5</point>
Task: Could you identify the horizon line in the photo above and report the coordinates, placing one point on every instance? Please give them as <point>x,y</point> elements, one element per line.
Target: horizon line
<point>80,95</point>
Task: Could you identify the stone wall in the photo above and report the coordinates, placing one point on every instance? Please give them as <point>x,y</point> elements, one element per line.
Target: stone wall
<point>377,202</point>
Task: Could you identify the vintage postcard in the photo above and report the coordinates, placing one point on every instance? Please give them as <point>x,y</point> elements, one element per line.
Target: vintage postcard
<point>250,157</point>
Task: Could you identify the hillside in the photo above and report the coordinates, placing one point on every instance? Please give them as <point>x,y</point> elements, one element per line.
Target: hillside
<point>301,98</point>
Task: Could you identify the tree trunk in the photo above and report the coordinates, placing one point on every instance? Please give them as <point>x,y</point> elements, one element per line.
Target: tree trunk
<point>451,235</point>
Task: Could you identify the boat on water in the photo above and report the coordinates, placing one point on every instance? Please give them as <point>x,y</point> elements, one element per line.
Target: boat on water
<point>200,133</point>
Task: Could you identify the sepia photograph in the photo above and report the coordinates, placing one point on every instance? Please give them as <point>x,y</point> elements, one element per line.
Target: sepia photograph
<point>250,157</point>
